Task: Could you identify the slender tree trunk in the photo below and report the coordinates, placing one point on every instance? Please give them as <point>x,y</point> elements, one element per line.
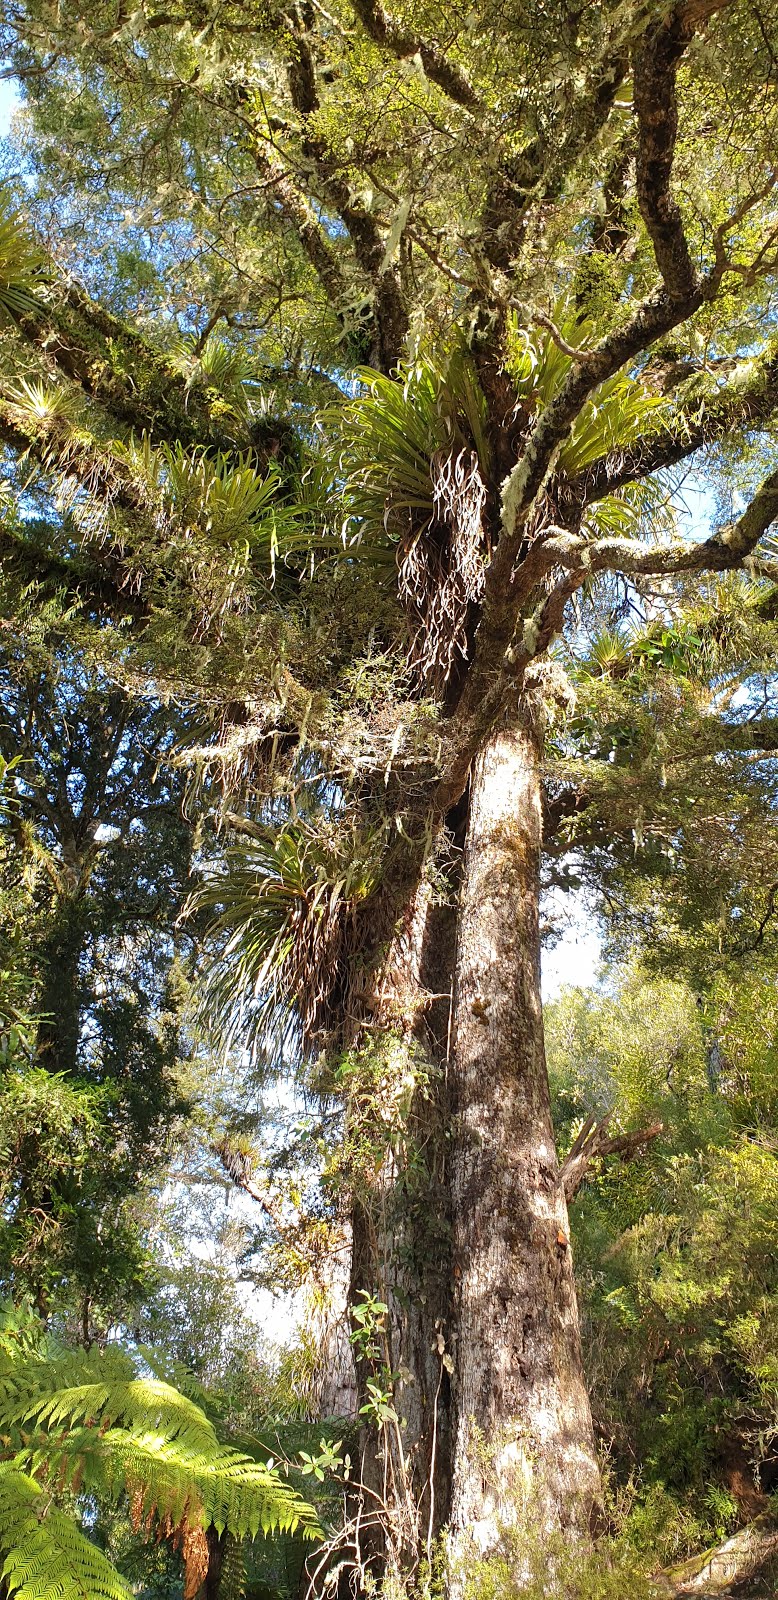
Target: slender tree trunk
<point>217,1545</point>
<point>60,997</point>
<point>523,1448</point>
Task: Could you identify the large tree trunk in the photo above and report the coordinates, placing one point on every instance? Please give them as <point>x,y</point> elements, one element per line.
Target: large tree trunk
<point>401,1237</point>
<point>523,1447</point>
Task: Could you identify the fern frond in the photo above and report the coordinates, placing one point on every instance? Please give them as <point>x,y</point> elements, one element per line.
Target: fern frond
<point>90,1422</point>
<point>45,1554</point>
<point>84,1386</point>
<point>223,1488</point>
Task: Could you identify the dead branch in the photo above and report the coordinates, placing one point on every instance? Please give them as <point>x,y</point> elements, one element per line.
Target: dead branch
<point>594,1143</point>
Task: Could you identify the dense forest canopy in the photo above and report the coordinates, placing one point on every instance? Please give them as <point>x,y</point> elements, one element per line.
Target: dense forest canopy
<point>388,403</point>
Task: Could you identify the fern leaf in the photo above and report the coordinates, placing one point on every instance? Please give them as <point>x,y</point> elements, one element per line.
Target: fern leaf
<point>45,1553</point>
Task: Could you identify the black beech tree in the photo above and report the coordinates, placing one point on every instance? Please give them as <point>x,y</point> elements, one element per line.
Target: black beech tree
<point>550,235</point>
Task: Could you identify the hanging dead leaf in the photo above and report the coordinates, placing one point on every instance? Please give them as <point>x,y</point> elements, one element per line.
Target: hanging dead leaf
<point>194,1549</point>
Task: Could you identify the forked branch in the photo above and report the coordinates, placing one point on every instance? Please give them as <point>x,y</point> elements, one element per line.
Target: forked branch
<point>401,42</point>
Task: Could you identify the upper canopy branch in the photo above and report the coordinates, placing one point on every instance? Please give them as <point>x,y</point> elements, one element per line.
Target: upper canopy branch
<point>750,398</point>
<point>321,177</point>
<point>404,44</point>
<point>654,317</point>
<point>560,564</point>
<point>298,211</point>
<point>656,108</point>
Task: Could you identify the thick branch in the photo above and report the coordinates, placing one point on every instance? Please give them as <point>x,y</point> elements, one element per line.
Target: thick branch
<point>594,1143</point>
<point>60,449</point>
<point>298,211</point>
<point>656,106</point>
<point>102,585</point>
<point>655,317</point>
<point>749,399</point>
<point>82,338</point>
<point>681,293</point>
<point>405,45</point>
<point>501,660</point>
<point>390,311</point>
<point>725,550</point>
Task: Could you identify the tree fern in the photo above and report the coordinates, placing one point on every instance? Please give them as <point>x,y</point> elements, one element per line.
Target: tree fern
<point>91,1421</point>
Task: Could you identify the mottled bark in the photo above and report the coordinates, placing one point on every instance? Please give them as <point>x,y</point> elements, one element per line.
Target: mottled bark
<point>401,1241</point>
<point>336,1384</point>
<point>524,1445</point>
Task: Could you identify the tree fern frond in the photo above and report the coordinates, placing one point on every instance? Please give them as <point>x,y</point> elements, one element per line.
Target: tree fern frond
<point>45,1554</point>
<point>171,1482</point>
<point>223,1487</point>
<point>90,1422</point>
<point>85,1386</point>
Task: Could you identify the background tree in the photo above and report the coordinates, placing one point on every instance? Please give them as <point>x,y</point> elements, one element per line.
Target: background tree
<point>95,857</point>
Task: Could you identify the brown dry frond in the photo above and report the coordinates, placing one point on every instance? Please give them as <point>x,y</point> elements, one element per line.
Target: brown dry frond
<point>193,1544</point>
<point>415,461</point>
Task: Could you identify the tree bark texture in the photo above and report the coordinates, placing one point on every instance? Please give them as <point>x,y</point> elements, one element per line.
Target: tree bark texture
<point>401,1236</point>
<point>60,990</point>
<point>523,1444</point>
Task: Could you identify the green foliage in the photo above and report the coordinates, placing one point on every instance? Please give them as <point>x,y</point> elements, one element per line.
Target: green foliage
<point>227,499</point>
<point>53,1138</point>
<point>44,1551</point>
<point>676,1253</point>
<point>616,413</point>
<point>528,1569</point>
<point>285,907</point>
<point>327,1459</point>
<point>21,263</point>
<point>94,858</point>
<point>95,1422</point>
